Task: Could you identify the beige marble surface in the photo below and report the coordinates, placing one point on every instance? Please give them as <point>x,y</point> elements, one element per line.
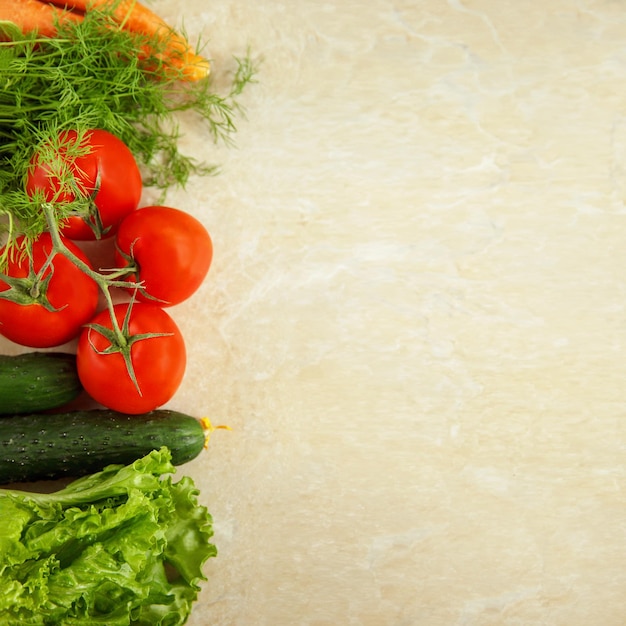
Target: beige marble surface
<point>415,322</point>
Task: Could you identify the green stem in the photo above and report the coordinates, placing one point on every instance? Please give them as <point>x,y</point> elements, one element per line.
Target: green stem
<point>129,270</point>
<point>34,290</point>
<point>120,337</point>
<point>103,282</point>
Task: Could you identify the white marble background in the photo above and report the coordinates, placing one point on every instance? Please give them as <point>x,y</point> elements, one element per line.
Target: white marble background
<point>415,322</point>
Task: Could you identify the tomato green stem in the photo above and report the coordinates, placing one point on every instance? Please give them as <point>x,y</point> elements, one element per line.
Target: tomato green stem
<point>103,282</point>
<point>119,336</point>
<point>39,278</point>
<point>121,272</point>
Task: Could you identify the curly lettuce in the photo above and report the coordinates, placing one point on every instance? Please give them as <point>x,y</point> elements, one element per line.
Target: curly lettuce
<point>120,547</point>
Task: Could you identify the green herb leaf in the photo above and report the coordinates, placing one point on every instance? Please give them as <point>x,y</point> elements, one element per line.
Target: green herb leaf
<point>94,74</point>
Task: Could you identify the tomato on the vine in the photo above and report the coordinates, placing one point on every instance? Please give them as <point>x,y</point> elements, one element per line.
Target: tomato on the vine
<point>170,250</point>
<point>153,351</point>
<point>97,166</point>
<point>45,305</point>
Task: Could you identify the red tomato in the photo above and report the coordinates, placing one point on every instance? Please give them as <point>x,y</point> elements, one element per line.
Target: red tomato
<point>158,362</point>
<point>67,298</point>
<point>171,249</point>
<point>108,173</point>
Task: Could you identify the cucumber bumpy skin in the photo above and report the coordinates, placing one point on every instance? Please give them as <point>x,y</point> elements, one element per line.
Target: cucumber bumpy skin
<point>37,381</point>
<point>73,444</point>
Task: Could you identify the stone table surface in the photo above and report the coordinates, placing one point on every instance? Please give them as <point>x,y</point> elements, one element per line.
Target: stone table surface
<point>415,321</point>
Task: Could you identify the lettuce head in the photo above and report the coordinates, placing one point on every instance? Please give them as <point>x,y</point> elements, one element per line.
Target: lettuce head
<point>120,547</point>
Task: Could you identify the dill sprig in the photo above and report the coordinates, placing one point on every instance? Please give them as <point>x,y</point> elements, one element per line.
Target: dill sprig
<point>94,74</point>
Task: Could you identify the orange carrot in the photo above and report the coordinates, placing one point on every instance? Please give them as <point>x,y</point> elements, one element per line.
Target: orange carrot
<point>33,15</point>
<point>135,17</point>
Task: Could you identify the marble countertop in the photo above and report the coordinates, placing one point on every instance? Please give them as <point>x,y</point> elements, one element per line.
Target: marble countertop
<point>415,322</point>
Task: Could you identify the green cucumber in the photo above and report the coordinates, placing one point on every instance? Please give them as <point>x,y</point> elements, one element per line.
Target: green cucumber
<point>37,381</point>
<point>76,443</point>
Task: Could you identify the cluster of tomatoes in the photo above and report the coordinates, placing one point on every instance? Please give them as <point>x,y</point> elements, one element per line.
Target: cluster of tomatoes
<point>130,353</point>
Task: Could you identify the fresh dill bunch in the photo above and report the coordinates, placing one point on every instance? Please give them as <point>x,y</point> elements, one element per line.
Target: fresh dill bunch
<point>94,74</point>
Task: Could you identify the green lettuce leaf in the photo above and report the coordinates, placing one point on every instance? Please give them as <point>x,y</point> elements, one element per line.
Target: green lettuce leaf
<point>120,547</point>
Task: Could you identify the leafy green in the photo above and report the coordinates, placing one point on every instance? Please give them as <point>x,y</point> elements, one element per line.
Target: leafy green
<point>123,546</point>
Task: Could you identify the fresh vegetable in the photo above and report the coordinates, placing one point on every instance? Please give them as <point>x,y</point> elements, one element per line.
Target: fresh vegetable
<point>42,446</point>
<point>170,250</point>
<point>88,101</point>
<point>124,546</point>
<point>136,17</point>
<point>34,16</point>
<point>36,381</point>
<point>132,360</point>
<point>95,166</point>
<point>45,298</point>
<point>88,77</point>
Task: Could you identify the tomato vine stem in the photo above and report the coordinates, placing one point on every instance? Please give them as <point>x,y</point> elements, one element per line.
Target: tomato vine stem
<point>119,336</point>
<point>103,282</point>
